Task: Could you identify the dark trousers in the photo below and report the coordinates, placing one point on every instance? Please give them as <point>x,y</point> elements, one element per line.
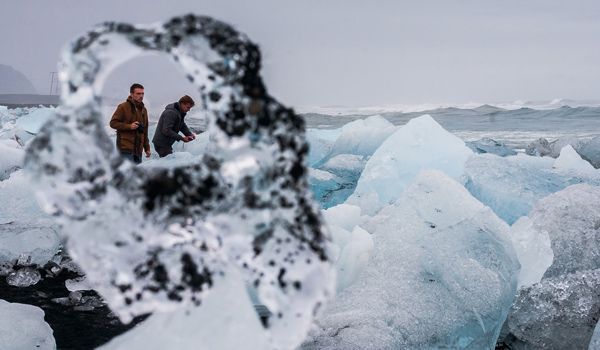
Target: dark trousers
<point>137,159</point>
<point>163,152</point>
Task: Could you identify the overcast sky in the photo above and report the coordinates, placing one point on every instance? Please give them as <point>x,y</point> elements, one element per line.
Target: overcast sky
<point>350,53</point>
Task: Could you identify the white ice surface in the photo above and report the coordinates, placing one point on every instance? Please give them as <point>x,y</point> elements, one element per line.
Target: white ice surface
<point>225,321</point>
<point>570,161</point>
<point>421,144</point>
<point>22,327</point>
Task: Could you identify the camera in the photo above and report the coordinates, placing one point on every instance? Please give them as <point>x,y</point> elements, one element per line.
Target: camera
<point>140,128</point>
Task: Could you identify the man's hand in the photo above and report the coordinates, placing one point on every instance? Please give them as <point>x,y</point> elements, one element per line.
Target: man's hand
<point>192,136</point>
<point>186,139</point>
<point>147,154</point>
<point>134,125</point>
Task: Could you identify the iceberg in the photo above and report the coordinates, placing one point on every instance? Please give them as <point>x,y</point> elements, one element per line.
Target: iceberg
<point>35,120</point>
<point>419,145</point>
<point>540,147</point>
<point>336,180</point>
<point>441,276</point>
<point>595,342</point>
<point>23,327</point>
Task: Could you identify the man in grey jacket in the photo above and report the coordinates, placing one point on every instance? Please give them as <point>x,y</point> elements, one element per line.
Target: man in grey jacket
<point>170,123</point>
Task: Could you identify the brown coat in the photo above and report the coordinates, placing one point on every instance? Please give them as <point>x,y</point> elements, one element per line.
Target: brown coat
<point>125,114</point>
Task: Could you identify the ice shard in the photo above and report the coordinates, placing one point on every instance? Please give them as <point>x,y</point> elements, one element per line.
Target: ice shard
<point>152,238</point>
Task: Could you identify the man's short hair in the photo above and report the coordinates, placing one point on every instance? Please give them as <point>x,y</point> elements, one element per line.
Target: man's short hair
<point>187,100</point>
<point>135,86</point>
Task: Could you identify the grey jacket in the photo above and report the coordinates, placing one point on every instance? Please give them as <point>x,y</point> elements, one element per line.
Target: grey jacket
<point>170,123</point>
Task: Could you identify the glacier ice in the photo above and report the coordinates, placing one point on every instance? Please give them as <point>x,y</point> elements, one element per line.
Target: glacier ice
<point>24,277</point>
<point>226,320</point>
<point>540,147</point>
<point>557,313</point>
<point>512,185</point>
<point>533,249</point>
<point>34,121</point>
<point>419,145</point>
<point>595,342</point>
<point>12,157</point>
<point>566,298</point>
<point>441,275</point>
<point>570,161</point>
<point>571,218</point>
<point>362,137</point>
<point>23,327</point>
<point>152,239</point>
<point>321,141</point>
<point>488,145</point>
<point>591,151</point>
<point>336,180</point>
<point>353,243</point>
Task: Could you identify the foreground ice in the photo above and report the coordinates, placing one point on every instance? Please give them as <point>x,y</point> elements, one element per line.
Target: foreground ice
<point>226,321</point>
<point>419,145</point>
<point>23,327</point>
<point>546,313</point>
<point>441,275</point>
<point>159,238</point>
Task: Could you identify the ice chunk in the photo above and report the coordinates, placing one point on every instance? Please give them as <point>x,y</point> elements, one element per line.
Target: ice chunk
<point>540,147</point>
<point>571,218</point>
<point>354,245</point>
<point>557,313</point>
<point>441,275</point>
<point>595,342</point>
<point>570,161</point>
<point>488,145</point>
<point>23,327</point>
<point>320,143</point>
<point>226,320</point>
<point>38,244</point>
<point>23,208</point>
<point>34,121</point>
<point>344,215</point>
<point>533,249</point>
<point>421,144</point>
<point>591,152</point>
<point>512,185</point>
<point>362,137</point>
<point>12,157</point>
<point>157,239</point>
<point>23,277</point>
<point>335,181</point>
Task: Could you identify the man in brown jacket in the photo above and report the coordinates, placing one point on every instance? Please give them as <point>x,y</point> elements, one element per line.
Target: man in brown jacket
<point>131,122</point>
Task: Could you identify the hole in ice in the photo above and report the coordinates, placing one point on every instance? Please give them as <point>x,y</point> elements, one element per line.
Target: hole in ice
<point>155,238</point>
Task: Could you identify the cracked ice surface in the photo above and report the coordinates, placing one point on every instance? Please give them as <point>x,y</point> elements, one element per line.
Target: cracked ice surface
<point>441,275</point>
<point>545,314</point>
<point>155,238</point>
